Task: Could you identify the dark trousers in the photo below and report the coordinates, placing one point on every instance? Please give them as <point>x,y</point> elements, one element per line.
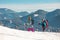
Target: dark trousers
<point>43,28</point>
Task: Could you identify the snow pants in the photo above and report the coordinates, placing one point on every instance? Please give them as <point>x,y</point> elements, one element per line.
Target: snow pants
<point>31,29</point>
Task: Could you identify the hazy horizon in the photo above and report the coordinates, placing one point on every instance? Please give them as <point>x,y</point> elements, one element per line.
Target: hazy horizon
<point>30,5</point>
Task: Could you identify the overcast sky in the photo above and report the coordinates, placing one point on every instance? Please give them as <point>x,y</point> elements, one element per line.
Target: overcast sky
<point>30,5</point>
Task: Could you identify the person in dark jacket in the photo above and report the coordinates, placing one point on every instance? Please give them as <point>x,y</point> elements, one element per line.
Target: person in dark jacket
<point>43,24</point>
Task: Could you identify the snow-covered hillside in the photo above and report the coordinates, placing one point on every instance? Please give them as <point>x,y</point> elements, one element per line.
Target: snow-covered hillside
<point>12,34</point>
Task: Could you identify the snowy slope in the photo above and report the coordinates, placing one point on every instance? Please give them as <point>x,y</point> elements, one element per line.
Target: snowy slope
<point>12,34</point>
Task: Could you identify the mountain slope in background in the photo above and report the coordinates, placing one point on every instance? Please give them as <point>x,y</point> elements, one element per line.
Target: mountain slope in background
<point>9,18</point>
<point>54,19</point>
<point>23,13</point>
<point>17,20</point>
<point>5,10</point>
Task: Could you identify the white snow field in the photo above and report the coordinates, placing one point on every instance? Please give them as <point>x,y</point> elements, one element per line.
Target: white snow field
<point>13,34</point>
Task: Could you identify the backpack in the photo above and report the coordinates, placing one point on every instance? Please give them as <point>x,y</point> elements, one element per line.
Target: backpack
<point>46,23</point>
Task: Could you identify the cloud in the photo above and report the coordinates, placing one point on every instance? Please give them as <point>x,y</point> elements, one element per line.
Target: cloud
<point>31,8</point>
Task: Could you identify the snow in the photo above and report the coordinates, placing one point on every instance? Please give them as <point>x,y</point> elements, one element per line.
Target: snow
<point>13,34</point>
<point>35,15</point>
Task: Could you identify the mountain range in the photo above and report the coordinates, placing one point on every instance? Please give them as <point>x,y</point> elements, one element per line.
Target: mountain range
<point>16,20</point>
